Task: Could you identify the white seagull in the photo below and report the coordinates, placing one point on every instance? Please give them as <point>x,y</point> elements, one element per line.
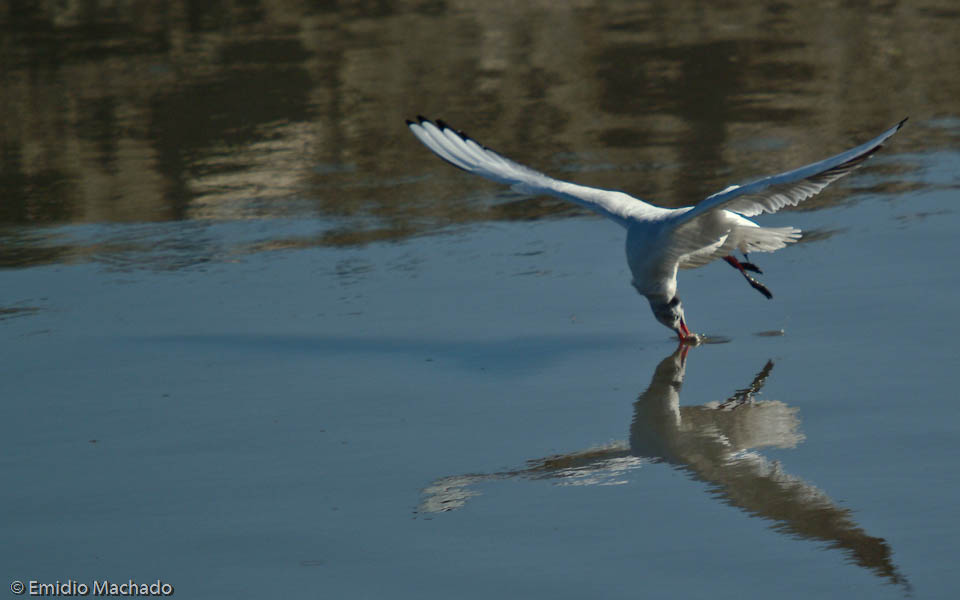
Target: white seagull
<point>662,240</point>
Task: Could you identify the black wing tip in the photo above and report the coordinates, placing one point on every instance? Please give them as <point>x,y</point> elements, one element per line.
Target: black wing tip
<point>442,126</point>
<point>900,124</point>
<point>439,123</point>
<point>420,121</point>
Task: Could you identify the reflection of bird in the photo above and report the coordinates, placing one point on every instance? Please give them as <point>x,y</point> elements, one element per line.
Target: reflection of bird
<point>662,240</point>
<point>714,443</point>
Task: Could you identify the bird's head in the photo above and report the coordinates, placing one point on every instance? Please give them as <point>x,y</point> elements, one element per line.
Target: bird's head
<point>670,313</point>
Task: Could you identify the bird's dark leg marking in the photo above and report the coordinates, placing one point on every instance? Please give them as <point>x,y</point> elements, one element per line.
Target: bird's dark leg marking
<point>746,395</point>
<point>736,264</point>
<point>733,262</point>
<point>749,266</point>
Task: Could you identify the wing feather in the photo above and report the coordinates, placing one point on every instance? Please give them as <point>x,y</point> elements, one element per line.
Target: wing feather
<point>462,151</point>
<point>770,194</point>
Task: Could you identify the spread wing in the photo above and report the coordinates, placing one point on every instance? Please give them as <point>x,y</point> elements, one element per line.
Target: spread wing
<point>770,194</point>
<point>460,150</point>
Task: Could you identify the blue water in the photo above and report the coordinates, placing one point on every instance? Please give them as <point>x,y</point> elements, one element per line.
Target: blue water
<point>270,422</point>
<point>257,342</point>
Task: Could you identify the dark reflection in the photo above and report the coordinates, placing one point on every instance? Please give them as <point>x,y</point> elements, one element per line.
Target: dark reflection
<point>708,85</point>
<point>714,443</point>
<point>10,312</point>
<point>149,246</point>
<point>119,112</point>
<point>26,248</point>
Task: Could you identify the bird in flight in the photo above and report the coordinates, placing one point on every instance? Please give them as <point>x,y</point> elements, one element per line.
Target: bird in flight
<point>662,240</point>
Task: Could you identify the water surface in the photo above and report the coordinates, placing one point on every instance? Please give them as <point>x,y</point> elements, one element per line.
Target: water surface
<point>256,341</point>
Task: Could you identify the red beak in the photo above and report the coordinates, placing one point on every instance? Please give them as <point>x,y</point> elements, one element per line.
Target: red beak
<point>684,333</point>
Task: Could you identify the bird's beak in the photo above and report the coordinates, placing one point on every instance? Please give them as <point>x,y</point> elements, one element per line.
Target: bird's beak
<point>682,331</point>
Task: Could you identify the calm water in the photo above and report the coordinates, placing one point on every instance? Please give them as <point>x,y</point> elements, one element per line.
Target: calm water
<point>255,341</point>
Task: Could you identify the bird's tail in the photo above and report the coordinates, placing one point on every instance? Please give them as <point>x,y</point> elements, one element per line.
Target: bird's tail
<point>766,239</point>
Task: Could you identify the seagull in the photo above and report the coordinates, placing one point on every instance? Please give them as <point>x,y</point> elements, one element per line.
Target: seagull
<point>662,240</point>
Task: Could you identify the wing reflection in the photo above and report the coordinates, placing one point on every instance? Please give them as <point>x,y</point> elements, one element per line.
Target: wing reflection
<point>715,443</point>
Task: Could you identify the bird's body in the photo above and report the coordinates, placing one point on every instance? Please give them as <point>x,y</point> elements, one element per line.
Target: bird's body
<point>662,240</point>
